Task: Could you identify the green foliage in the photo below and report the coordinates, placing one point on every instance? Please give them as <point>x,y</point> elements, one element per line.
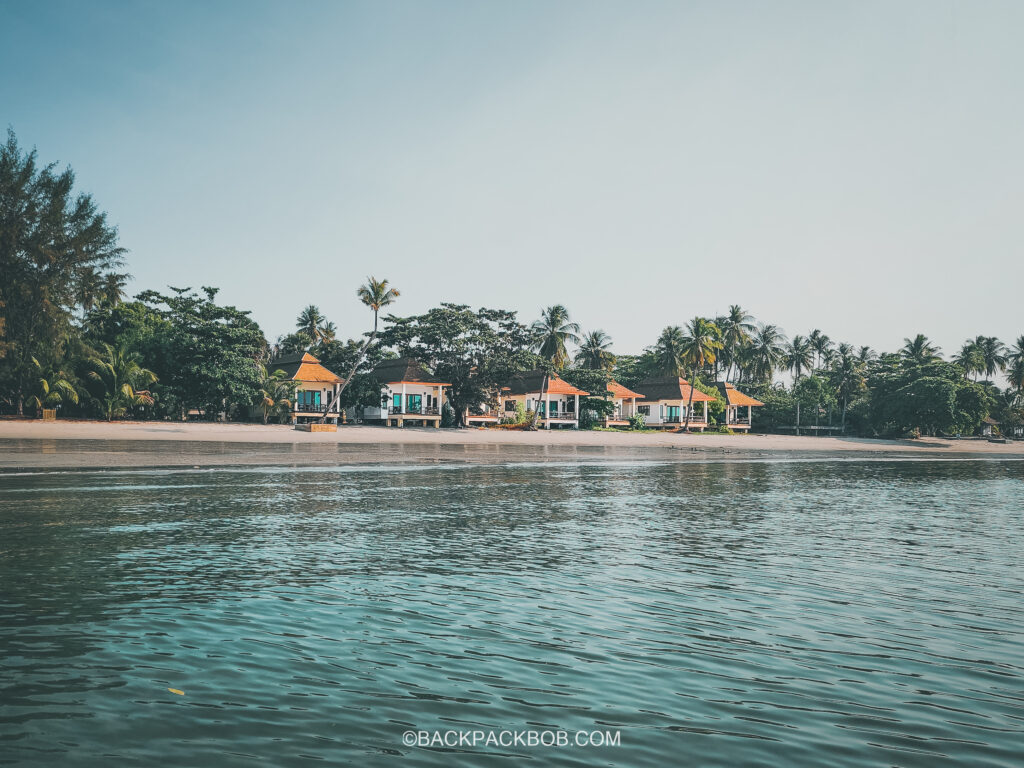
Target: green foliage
<point>475,351</point>
<point>637,421</point>
<point>209,353</point>
<point>58,256</point>
<point>599,402</point>
<point>120,381</point>
<point>276,393</point>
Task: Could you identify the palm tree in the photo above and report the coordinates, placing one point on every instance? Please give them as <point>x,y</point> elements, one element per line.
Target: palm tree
<point>553,330</point>
<point>594,351</point>
<point>55,386</point>
<point>866,354</point>
<point>821,344</point>
<point>1015,375</point>
<point>919,350</point>
<point>766,352</point>
<point>700,345</point>
<point>276,391</point>
<point>847,377</point>
<point>1016,352</point>
<point>797,356</point>
<point>668,351</point>
<point>993,354</point>
<point>121,377</point>
<point>375,294</point>
<point>970,358</point>
<point>736,328</point>
<point>310,324</point>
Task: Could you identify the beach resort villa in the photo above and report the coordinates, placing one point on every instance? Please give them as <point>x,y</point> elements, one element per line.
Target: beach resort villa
<point>559,406</point>
<point>410,394</point>
<point>624,400</point>
<point>317,390</point>
<point>666,399</point>
<point>734,400</point>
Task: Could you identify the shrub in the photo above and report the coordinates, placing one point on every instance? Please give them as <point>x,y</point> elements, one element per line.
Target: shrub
<point>637,421</point>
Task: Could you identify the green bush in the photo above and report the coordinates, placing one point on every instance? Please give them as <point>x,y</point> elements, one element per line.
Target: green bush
<point>637,421</point>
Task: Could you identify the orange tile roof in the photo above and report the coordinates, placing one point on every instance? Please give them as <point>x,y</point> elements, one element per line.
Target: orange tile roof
<point>617,390</point>
<point>671,388</point>
<point>304,368</point>
<point>530,382</point>
<point>734,397</point>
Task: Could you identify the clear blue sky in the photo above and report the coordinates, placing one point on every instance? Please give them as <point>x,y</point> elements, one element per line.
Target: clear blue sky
<point>854,166</point>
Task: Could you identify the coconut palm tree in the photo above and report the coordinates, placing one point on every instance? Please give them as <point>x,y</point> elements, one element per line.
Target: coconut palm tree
<point>1016,352</point>
<point>668,351</point>
<point>866,354</point>
<point>310,323</point>
<point>970,358</point>
<point>701,343</point>
<point>847,377</point>
<point>375,294</point>
<point>821,344</point>
<point>122,380</point>
<point>275,392</point>
<point>919,350</point>
<point>766,352</point>
<point>798,355</point>
<point>993,354</point>
<point>55,386</point>
<point>594,351</point>
<point>1015,375</point>
<point>736,328</point>
<point>553,330</point>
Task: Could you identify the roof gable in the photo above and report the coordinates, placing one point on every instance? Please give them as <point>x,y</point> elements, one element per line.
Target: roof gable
<point>671,388</point>
<point>530,382</point>
<point>406,369</point>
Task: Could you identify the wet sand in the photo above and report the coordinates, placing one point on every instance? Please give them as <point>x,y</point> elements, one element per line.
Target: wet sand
<point>35,445</point>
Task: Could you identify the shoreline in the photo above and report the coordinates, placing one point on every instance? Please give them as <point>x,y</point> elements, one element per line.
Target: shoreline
<point>35,446</point>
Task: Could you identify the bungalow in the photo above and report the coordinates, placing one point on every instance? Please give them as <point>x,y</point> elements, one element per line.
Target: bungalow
<point>734,400</point>
<point>317,389</point>
<point>624,400</point>
<point>560,405</point>
<point>666,399</point>
<point>410,394</point>
<point>989,426</point>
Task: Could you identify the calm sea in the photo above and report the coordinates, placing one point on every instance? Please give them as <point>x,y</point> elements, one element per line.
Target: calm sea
<point>793,613</point>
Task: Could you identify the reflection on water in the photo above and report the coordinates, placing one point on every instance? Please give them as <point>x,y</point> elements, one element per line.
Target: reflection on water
<point>714,614</point>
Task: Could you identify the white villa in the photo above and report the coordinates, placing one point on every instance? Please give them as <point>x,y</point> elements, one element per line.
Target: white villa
<point>410,394</point>
<point>625,401</point>
<point>559,407</point>
<point>734,400</point>
<point>665,402</point>
<point>317,390</point>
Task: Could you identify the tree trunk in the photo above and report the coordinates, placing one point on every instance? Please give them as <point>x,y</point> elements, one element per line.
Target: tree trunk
<point>844,415</point>
<point>536,410</point>
<point>797,417</point>
<point>355,367</point>
<point>689,405</point>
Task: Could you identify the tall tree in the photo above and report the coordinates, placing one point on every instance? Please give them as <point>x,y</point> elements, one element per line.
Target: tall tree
<point>375,294</point>
<point>821,344</point>
<point>57,251</point>
<point>310,325</point>
<point>766,352</point>
<point>276,391</point>
<point>701,343</point>
<point>993,354</point>
<point>595,351</point>
<point>736,327</point>
<point>668,352</point>
<point>919,350</point>
<point>553,330</point>
<point>798,355</point>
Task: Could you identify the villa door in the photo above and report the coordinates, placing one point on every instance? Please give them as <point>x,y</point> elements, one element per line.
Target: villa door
<point>414,403</point>
<point>672,413</point>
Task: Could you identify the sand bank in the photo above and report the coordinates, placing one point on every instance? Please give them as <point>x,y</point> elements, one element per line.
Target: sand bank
<point>26,445</point>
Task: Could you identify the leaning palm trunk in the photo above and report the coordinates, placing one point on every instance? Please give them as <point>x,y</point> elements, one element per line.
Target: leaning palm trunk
<point>689,405</point>
<point>355,367</point>
<point>536,410</point>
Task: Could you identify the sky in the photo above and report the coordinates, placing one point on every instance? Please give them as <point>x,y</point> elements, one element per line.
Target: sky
<point>855,167</point>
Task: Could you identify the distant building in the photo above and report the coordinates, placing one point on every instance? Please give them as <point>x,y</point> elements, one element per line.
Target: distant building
<point>624,400</point>
<point>734,400</point>
<point>666,399</point>
<point>559,405</point>
<point>410,394</point>
<point>317,392</point>
<point>989,426</point>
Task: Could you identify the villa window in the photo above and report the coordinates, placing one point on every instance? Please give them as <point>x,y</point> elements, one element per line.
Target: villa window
<point>510,406</point>
<point>644,410</point>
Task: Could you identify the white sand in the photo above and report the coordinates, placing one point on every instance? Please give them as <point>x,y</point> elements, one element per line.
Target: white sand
<point>37,444</point>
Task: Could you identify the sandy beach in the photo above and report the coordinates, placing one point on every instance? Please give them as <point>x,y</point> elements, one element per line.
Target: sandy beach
<point>35,445</point>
